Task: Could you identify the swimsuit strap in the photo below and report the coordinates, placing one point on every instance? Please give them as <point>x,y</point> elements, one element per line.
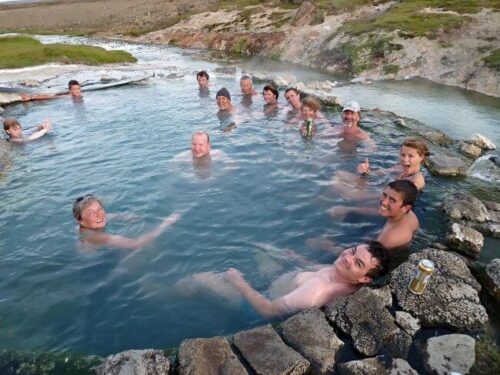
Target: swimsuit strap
<point>413,175</point>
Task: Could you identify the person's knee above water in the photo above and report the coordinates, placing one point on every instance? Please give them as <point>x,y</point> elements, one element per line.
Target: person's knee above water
<point>202,77</point>
<point>89,212</point>
<point>246,86</point>
<point>354,268</point>
<point>15,133</point>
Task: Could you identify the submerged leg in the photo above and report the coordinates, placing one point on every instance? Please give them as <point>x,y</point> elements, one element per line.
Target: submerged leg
<point>208,282</point>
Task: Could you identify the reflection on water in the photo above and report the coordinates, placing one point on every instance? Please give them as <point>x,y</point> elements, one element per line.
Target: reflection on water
<point>272,194</point>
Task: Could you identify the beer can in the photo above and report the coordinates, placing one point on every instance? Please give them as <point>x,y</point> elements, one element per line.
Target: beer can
<point>309,128</point>
<point>419,282</point>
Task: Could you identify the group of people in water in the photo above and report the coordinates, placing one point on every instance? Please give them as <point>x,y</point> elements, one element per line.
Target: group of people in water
<point>353,267</point>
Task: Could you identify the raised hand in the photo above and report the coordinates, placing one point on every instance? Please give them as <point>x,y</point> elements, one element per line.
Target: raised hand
<point>364,167</point>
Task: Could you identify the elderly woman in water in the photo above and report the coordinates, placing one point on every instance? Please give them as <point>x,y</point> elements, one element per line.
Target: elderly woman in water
<point>89,212</point>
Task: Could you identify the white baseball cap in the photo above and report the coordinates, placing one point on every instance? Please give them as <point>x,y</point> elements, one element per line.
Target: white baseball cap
<point>351,106</point>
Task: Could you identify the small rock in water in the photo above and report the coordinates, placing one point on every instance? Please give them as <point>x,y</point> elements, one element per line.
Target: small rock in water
<point>229,70</point>
<point>492,284</point>
<point>470,150</point>
<point>400,122</point>
<point>482,142</point>
<point>443,165</point>
<point>107,78</point>
<point>377,365</point>
<point>465,240</point>
<point>29,83</point>
<point>450,353</point>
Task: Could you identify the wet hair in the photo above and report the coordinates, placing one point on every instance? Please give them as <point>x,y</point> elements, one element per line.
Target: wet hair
<point>311,103</point>
<point>10,123</point>
<point>81,203</point>
<point>379,252</point>
<point>201,133</point>
<point>73,82</point>
<point>418,145</point>
<point>292,89</point>
<point>246,78</point>
<point>273,89</point>
<point>407,189</point>
<point>202,73</point>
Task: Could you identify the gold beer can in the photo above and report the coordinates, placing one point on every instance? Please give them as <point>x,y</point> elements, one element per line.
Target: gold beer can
<point>424,272</point>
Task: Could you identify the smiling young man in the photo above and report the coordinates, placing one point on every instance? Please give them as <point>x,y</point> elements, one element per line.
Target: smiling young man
<point>74,88</point>
<point>355,267</point>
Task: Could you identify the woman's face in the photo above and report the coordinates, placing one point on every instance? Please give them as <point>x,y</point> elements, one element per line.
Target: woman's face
<point>269,97</point>
<point>410,159</point>
<point>307,112</point>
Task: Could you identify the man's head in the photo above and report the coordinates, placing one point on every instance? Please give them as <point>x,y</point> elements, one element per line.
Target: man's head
<point>202,77</point>
<point>351,114</point>
<point>223,98</point>
<point>292,96</point>
<point>88,211</point>
<point>270,94</point>
<point>362,264</point>
<point>74,88</point>
<point>397,198</point>
<point>200,144</point>
<point>246,85</point>
<point>13,128</point>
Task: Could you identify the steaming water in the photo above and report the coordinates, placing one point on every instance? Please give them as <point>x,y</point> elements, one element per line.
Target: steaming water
<point>270,194</point>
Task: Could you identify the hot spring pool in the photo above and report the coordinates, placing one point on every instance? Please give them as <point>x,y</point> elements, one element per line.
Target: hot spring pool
<point>271,193</point>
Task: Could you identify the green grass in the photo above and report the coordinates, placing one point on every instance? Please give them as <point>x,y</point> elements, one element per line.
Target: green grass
<point>493,60</point>
<point>391,69</point>
<point>18,52</point>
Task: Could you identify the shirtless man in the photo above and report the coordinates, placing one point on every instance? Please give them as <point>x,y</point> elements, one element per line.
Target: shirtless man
<point>74,91</point>
<point>246,86</point>
<point>292,96</point>
<point>354,268</point>
<point>202,77</point>
<point>89,212</point>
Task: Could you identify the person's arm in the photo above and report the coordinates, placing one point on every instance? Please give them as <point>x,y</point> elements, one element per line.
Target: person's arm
<point>27,97</point>
<point>264,306</point>
<point>116,241</point>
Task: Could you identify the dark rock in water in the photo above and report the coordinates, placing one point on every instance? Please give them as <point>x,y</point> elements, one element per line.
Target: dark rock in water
<point>229,70</point>
<point>461,206</point>
<point>377,366</point>
<point>266,352</point>
<point>310,334</point>
<point>495,159</point>
<point>364,316</point>
<point>450,353</point>
<point>443,165</point>
<point>208,356</point>
<point>134,362</point>
<point>451,297</point>
<point>400,122</point>
<point>437,137</point>
<point>492,279</point>
<point>465,240</point>
<point>469,150</point>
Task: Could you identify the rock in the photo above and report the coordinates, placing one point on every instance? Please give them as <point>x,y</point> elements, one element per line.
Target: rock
<point>208,356</point>
<point>7,98</point>
<point>266,353</point>
<point>461,206</point>
<point>443,165</point>
<point>492,279</point>
<point>134,362</point>
<point>469,150</point>
<point>174,76</point>
<point>439,246</point>
<point>488,229</point>
<point>229,70</point>
<point>493,206</point>
<point>384,294</point>
<point>332,101</point>
<point>451,297</point>
<point>107,78</point>
<point>1,110</point>
<point>400,122</point>
<point>30,83</point>
<point>377,366</point>
<point>408,323</point>
<point>281,81</point>
<point>465,240</point>
<point>323,85</point>
<point>365,318</point>
<point>482,142</point>
<point>306,15</point>
<point>310,334</point>
<point>437,137</point>
<point>450,353</point>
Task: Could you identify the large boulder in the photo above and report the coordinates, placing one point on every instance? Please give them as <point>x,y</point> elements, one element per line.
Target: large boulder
<point>266,352</point>
<point>377,366</point>
<point>134,362</point>
<point>310,334</point>
<point>465,240</point>
<point>365,317</point>
<point>8,97</point>
<point>459,206</point>
<point>450,353</point>
<point>482,142</point>
<point>211,356</point>
<point>469,150</point>
<point>443,165</point>
<point>451,297</point>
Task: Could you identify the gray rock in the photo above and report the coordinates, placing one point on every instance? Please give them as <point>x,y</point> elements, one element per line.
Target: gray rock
<point>488,229</point>
<point>450,353</point>
<point>466,207</point>
<point>493,206</point>
<point>443,165</point>
<point>469,150</point>
<point>408,323</point>
<point>435,136</point>
<point>377,366</point>
<point>465,240</point>
<point>135,362</point>
<point>211,356</point>
<point>7,98</point>
<point>451,297</point>
<point>29,83</point>
<point>482,142</point>
<point>174,76</point>
<point>365,318</point>
<point>332,101</point>
<point>400,122</point>
<point>107,78</point>
<point>310,334</point>
<point>229,70</point>
<point>492,279</point>
<point>385,295</point>
<point>266,352</point>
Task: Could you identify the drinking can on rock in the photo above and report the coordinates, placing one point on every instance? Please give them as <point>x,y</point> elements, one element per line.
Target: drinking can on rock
<point>419,282</point>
